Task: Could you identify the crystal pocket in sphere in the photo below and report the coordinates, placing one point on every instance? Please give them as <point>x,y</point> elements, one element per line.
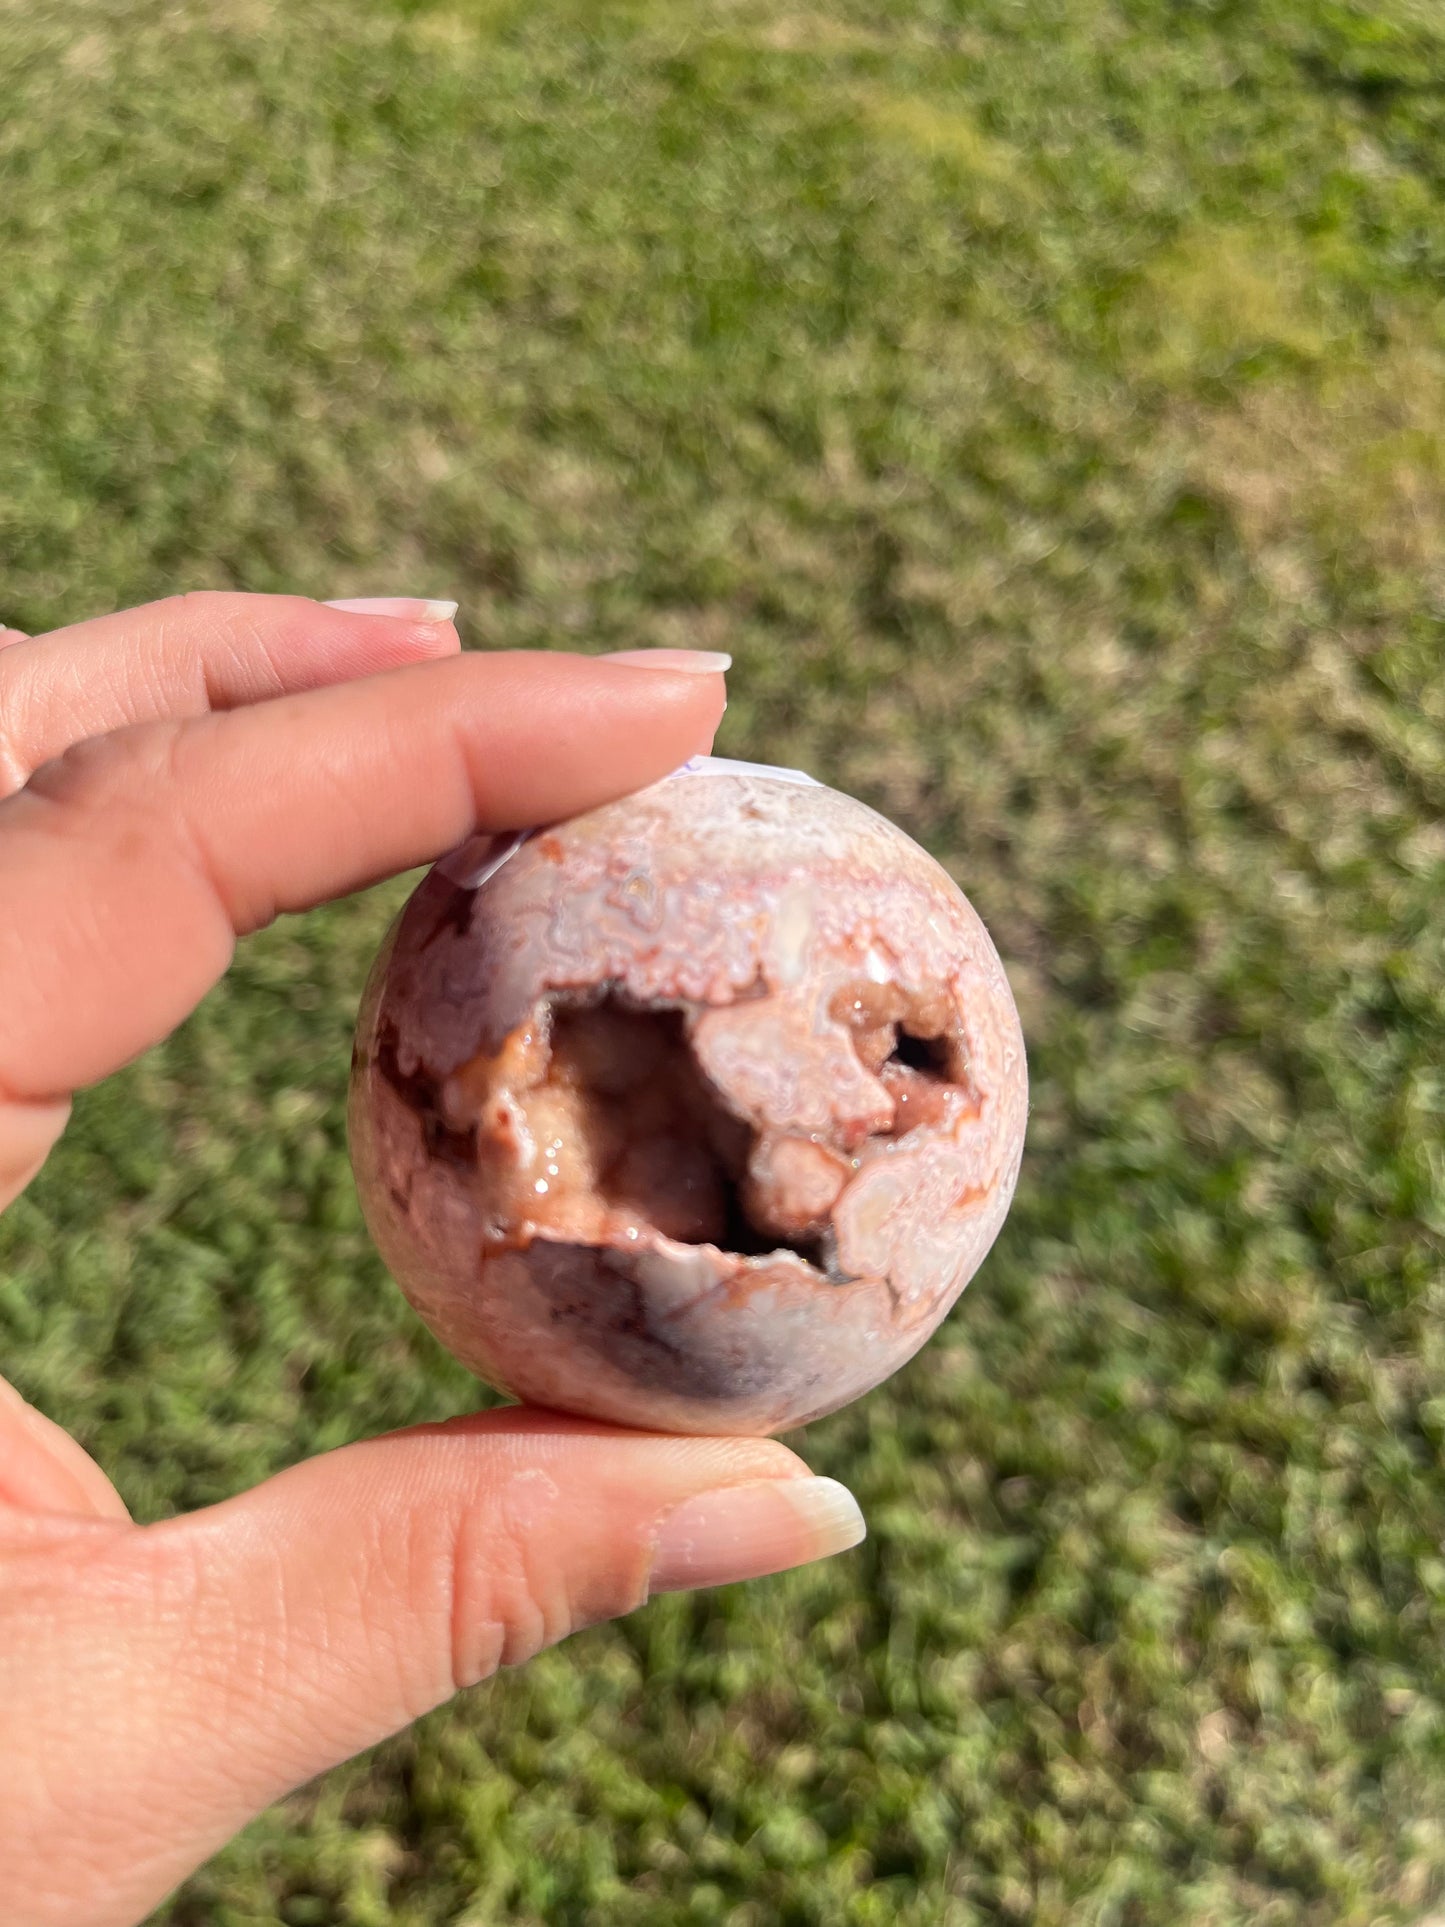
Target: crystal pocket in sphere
<point>698,1114</point>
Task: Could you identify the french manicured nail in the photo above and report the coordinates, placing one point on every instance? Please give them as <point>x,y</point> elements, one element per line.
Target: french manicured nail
<point>698,662</point>
<point>406,608</point>
<point>745,1531</point>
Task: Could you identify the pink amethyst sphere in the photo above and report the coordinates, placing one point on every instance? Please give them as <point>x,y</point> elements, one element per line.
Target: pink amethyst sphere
<point>698,1113</point>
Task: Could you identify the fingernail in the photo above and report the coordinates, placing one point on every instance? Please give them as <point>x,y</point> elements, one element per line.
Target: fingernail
<point>698,662</point>
<point>745,1531</point>
<point>407,608</point>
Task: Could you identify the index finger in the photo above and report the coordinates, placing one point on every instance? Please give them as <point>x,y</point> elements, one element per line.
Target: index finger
<point>129,866</point>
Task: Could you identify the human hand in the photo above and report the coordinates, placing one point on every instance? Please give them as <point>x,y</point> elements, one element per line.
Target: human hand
<point>171,778</point>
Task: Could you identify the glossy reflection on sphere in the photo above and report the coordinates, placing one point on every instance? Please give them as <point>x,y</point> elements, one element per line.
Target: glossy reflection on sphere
<point>698,1114</point>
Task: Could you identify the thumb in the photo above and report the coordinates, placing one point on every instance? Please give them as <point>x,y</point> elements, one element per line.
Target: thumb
<point>226,1657</point>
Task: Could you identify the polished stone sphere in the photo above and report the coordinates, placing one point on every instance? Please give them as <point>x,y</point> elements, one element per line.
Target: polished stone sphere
<point>695,1113</point>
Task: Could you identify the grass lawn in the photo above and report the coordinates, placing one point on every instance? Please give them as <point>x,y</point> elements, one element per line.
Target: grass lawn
<point>1045,402</point>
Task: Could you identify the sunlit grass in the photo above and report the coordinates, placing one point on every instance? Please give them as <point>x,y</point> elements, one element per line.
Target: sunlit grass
<point>1043,403</point>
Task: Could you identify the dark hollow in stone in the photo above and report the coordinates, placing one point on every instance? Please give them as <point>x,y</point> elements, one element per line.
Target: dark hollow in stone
<point>926,1055</point>
<point>695,1124</point>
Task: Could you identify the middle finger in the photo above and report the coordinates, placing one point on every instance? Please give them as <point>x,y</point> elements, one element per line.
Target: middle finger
<point>189,654</point>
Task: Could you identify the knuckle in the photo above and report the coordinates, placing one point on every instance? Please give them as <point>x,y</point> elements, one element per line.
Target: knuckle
<point>93,775</point>
<point>473,1588</point>
<point>188,617</point>
<point>491,1583</point>
<point>504,1608</point>
<point>128,794</point>
<point>198,606</point>
<point>200,627</point>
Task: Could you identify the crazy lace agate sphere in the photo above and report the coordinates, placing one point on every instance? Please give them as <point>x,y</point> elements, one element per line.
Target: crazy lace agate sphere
<point>698,1114</point>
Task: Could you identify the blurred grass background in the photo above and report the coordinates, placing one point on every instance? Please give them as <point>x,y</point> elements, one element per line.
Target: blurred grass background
<point>1043,401</point>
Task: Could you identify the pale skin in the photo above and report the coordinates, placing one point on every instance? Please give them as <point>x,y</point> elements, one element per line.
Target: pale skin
<point>171,779</point>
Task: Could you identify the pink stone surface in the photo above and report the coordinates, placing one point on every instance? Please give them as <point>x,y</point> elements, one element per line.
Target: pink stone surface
<point>699,1114</point>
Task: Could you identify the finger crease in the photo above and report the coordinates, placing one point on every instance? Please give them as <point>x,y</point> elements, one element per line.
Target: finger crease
<point>193,849</point>
<point>14,774</point>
